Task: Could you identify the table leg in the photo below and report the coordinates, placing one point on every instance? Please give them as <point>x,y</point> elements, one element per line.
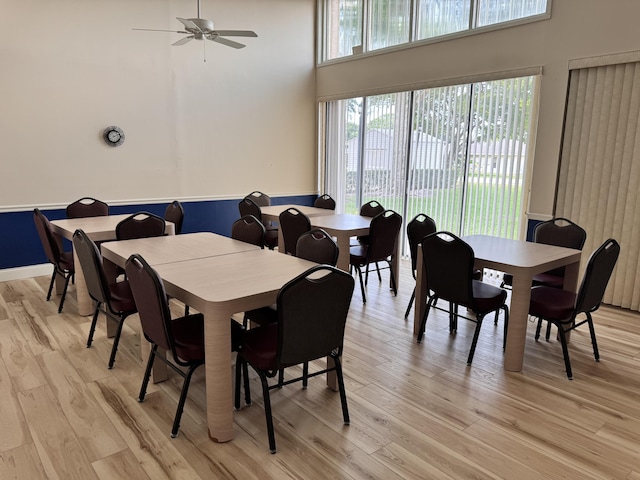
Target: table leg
<point>518,317</point>
<point>343,242</point>
<point>217,336</point>
<point>85,304</point>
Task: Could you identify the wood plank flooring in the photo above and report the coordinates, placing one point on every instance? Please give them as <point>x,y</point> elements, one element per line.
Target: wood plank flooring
<point>417,411</point>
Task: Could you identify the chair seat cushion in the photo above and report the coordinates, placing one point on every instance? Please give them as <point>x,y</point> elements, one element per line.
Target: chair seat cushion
<point>188,333</point>
<point>548,280</point>
<point>551,303</point>
<point>271,237</point>
<point>259,346</point>
<point>358,254</point>
<point>122,297</point>
<point>487,297</point>
<point>66,261</point>
<point>262,316</point>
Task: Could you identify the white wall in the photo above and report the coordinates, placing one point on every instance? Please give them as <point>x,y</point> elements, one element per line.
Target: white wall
<point>577,29</point>
<point>243,120</point>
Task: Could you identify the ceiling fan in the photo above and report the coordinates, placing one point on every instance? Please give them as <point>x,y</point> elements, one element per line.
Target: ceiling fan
<point>201,29</point>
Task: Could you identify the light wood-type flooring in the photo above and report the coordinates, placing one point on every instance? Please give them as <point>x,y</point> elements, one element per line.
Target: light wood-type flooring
<point>417,411</point>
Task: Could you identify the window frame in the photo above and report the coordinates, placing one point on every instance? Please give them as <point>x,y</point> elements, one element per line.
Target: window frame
<point>322,46</point>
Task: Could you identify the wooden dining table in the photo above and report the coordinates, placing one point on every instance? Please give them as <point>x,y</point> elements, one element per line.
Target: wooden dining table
<point>521,259</point>
<point>230,281</point>
<point>98,229</point>
<point>341,226</point>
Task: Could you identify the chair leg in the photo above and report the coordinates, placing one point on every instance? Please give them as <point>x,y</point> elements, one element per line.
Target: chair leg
<point>565,352</point>
<point>343,394</point>
<point>183,398</point>
<point>548,334</point>
<point>236,396</point>
<point>423,323</point>
<point>67,278</point>
<point>247,389</point>
<point>475,340</point>
<point>116,341</point>
<point>393,280</point>
<point>53,280</point>
<point>305,374</point>
<point>147,373</point>
<point>538,328</point>
<point>413,297</point>
<point>280,377</point>
<point>506,327</point>
<point>378,270</point>
<point>592,331</point>
<point>267,412</point>
<point>364,295</point>
<point>92,329</point>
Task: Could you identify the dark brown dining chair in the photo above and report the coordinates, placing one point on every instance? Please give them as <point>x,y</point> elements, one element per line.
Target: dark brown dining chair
<point>381,246</point>
<point>560,232</point>
<point>293,223</point>
<point>312,313</point>
<point>62,261</point>
<point>419,227</point>
<point>182,338</point>
<point>325,201</point>
<point>247,206</point>
<point>87,207</point>
<point>561,307</point>
<point>449,265</point>
<point>315,245</point>
<point>248,229</point>
<point>140,225</point>
<point>114,299</point>
<point>174,213</point>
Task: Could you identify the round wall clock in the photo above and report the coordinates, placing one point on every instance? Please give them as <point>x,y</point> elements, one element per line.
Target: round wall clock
<point>113,136</point>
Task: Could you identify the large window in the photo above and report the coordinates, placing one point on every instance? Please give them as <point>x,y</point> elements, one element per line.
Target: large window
<point>355,26</point>
<point>456,153</point>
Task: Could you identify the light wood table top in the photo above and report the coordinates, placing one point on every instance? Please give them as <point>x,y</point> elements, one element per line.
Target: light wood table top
<point>174,248</point>
<point>98,229</point>
<point>521,259</point>
<point>272,212</point>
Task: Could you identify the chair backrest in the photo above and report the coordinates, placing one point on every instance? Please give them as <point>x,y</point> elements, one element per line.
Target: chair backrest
<point>261,199</point>
<point>449,264</point>
<point>371,209</point>
<point>293,223</point>
<point>312,312</point>
<point>248,229</point>
<point>87,207</point>
<point>419,227</point>
<point>151,301</point>
<point>383,235</point>
<point>596,276</point>
<point>91,263</point>
<point>325,201</point>
<point>140,225</point>
<point>316,245</point>
<point>47,238</point>
<point>560,232</point>
<point>247,206</point>
<point>174,213</point>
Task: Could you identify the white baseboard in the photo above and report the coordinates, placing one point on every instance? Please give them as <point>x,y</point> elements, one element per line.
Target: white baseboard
<point>18,273</point>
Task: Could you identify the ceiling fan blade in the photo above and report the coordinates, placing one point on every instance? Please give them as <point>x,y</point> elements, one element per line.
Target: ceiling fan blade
<point>156,30</point>
<point>183,40</point>
<point>225,41</point>
<point>189,24</point>
<point>236,33</point>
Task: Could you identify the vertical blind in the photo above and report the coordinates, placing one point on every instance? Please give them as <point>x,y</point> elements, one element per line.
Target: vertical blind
<point>456,153</point>
<point>600,168</point>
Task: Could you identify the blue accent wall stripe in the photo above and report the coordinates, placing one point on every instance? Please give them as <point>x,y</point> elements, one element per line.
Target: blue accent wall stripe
<point>20,245</point>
